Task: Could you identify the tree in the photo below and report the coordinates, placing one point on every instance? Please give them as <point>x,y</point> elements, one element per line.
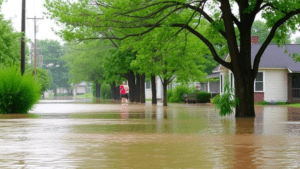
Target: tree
<point>260,29</point>
<point>42,76</point>
<point>170,58</point>
<point>85,62</point>
<point>52,51</point>
<point>136,18</point>
<point>9,43</point>
<point>117,67</point>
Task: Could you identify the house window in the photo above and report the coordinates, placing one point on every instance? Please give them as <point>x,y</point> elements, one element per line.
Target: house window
<point>148,85</point>
<point>259,82</point>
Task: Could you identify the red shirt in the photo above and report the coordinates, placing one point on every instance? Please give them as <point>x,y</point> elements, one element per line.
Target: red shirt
<point>122,89</point>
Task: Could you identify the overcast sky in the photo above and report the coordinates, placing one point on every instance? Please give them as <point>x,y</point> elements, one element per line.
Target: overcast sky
<point>11,9</point>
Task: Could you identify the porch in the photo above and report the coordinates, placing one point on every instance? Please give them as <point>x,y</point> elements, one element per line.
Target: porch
<point>294,87</point>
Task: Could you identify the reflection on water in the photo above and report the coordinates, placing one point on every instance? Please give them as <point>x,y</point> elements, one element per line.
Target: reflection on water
<point>145,136</point>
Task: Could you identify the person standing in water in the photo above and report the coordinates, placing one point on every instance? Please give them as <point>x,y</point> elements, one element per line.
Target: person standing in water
<point>124,92</point>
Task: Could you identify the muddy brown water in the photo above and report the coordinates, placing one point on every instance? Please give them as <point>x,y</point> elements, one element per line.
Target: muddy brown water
<point>70,135</point>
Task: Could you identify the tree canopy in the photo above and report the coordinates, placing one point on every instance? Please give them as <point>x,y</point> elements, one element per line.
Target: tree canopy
<point>52,51</point>
<point>85,61</point>
<point>121,19</point>
<point>9,43</point>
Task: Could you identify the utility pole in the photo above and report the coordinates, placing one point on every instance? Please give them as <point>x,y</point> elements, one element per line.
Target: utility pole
<point>23,38</point>
<point>35,18</point>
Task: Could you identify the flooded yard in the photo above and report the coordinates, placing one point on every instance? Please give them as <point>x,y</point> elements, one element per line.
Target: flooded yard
<point>73,135</point>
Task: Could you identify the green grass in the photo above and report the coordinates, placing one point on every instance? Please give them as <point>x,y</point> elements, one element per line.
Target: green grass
<point>281,103</point>
<point>148,99</point>
<point>51,95</point>
<point>268,103</point>
<point>85,96</point>
<point>294,105</point>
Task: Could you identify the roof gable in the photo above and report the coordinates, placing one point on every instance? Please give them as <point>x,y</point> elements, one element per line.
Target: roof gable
<point>274,57</point>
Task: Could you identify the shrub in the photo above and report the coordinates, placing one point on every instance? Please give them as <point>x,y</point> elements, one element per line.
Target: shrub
<point>226,101</point>
<point>42,76</point>
<point>169,94</point>
<point>264,103</point>
<point>178,92</point>
<point>105,91</point>
<point>17,93</point>
<point>203,97</point>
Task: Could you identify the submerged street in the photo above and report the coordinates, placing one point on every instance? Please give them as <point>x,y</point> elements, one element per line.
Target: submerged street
<point>74,135</point>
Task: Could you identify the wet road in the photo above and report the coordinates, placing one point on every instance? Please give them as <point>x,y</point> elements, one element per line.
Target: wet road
<point>69,135</point>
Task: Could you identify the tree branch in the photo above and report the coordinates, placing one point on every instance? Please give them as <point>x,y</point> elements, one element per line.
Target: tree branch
<point>272,6</point>
<point>270,37</point>
<point>236,21</point>
<point>207,43</point>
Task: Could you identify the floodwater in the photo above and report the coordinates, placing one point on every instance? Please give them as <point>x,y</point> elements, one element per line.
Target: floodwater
<point>66,135</point>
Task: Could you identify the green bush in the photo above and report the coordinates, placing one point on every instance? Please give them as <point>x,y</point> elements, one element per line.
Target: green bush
<point>105,91</point>
<point>203,97</point>
<point>169,94</point>
<point>42,76</point>
<point>264,103</point>
<point>178,92</point>
<point>17,93</point>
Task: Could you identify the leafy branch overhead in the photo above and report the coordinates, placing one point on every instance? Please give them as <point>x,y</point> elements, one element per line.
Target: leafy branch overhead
<point>121,19</point>
<point>93,19</point>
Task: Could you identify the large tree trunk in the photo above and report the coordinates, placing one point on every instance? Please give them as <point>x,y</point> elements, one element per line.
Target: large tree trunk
<point>132,87</point>
<point>244,91</point>
<point>115,91</point>
<point>98,87</point>
<point>112,91</point>
<point>138,87</point>
<point>55,91</point>
<point>153,86</point>
<point>244,80</point>
<point>142,88</point>
<point>165,93</point>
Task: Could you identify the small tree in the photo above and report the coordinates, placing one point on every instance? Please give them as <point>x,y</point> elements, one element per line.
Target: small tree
<point>226,101</point>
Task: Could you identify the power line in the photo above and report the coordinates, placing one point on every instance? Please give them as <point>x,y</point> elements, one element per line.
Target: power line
<point>35,19</point>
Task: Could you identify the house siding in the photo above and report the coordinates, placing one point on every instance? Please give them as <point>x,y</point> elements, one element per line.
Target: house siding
<point>258,97</point>
<point>275,84</point>
<point>148,93</point>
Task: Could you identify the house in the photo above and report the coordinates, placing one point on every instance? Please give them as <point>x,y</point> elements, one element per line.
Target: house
<point>159,89</point>
<point>82,88</point>
<point>278,77</point>
<point>212,85</point>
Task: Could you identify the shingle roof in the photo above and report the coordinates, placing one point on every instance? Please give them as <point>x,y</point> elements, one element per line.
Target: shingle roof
<point>274,57</point>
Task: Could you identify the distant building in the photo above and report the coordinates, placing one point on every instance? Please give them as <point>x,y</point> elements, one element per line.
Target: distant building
<point>82,88</point>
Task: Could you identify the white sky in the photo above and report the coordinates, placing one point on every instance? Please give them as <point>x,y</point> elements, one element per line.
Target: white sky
<point>11,9</point>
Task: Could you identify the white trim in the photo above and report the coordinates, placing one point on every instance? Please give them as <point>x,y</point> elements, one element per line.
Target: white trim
<point>264,81</point>
<point>271,68</point>
<point>208,88</point>
<point>274,68</point>
<point>218,70</point>
<point>221,83</point>
<point>231,74</point>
